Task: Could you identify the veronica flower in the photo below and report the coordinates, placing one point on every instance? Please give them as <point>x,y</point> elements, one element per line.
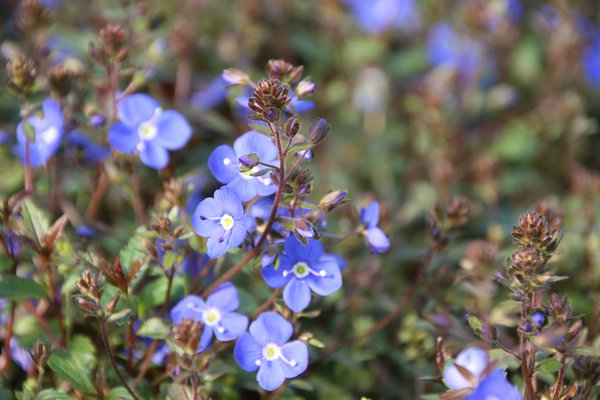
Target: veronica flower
<point>266,348</point>
<point>92,152</point>
<point>224,165</point>
<point>222,219</point>
<point>211,96</point>
<point>48,133</point>
<point>145,127</point>
<point>591,61</point>
<point>19,355</point>
<point>376,239</point>
<point>377,16</point>
<point>474,363</point>
<point>302,269</point>
<point>216,314</point>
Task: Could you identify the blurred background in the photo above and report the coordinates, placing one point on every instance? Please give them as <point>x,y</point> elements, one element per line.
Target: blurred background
<point>496,101</point>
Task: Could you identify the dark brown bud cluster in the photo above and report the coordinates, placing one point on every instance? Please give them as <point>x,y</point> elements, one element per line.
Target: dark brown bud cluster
<point>186,335</point>
<point>300,183</point>
<point>479,253</point>
<point>90,292</point>
<point>268,100</point>
<point>457,212</point>
<point>284,71</point>
<point>22,74</point>
<point>61,80</point>
<point>553,214</point>
<point>444,218</point>
<point>561,313</point>
<point>32,16</point>
<point>533,229</point>
<point>40,353</point>
<point>113,45</point>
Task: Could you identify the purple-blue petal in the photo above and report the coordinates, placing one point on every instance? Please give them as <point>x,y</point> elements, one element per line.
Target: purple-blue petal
<point>271,327</point>
<point>495,386</point>
<point>255,142</point>
<point>246,351</point>
<point>224,298</point>
<point>377,240</point>
<point>328,284</point>
<point>296,251</point>
<point>153,155</point>
<point>173,131</point>
<point>185,309</point>
<point>473,359</point>
<point>274,277</point>
<point>223,164</point>
<point>217,244</point>
<point>234,323</point>
<point>270,375</point>
<point>369,215</point>
<point>135,109</point>
<point>205,339</point>
<point>298,352</point>
<point>123,138</point>
<point>296,294</point>
<point>207,208</point>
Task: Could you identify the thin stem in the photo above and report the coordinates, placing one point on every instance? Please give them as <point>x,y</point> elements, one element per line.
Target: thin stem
<point>561,377</point>
<point>524,349</point>
<point>266,304</point>
<point>100,189</point>
<point>43,323</point>
<point>296,164</point>
<point>111,356</point>
<point>28,175</point>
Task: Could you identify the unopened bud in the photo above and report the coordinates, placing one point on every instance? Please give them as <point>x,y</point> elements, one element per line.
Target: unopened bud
<point>248,161</point>
<point>235,77</point>
<point>110,307</point>
<point>318,131</point>
<point>292,125</point>
<point>305,88</point>
<point>332,199</point>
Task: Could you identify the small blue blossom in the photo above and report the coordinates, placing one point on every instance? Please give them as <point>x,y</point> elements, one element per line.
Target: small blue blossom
<point>48,133</point>
<point>474,360</point>
<point>222,219</point>
<point>377,16</point>
<point>495,386</point>
<point>145,127</point>
<point>224,165</point>
<point>376,239</point>
<point>19,355</point>
<point>92,153</point>
<point>302,269</point>
<point>211,96</point>
<point>266,348</point>
<point>591,61</point>
<point>216,314</point>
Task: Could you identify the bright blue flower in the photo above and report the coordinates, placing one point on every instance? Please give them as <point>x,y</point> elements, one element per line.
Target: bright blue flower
<point>145,127</point>
<point>216,314</point>
<point>302,269</point>
<point>222,220</point>
<point>211,96</point>
<point>591,61</point>
<point>92,152</point>
<point>474,360</point>
<point>495,386</point>
<point>377,16</point>
<point>19,355</point>
<point>376,239</point>
<point>48,133</point>
<point>448,49</point>
<point>224,165</point>
<point>266,348</point>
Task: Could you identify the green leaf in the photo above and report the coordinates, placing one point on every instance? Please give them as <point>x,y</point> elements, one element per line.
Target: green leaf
<point>302,385</point>
<point>264,129</point>
<point>36,222</point>
<point>119,393</point>
<point>168,260</point>
<point>475,323</point>
<point>154,328</point>
<point>51,394</point>
<point>29,131</point>
<point>83,351</point>
<point>19,289</point>
<point>65,366</point>
<point>549,366</point>
<point>316,342</point>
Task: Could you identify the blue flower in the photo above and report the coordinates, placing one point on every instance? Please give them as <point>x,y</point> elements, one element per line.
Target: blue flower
<point>145,127</point>
<point>376,239</point>
<point>591,61</point>
<point>211,96</point>
<point>48,133</point>
<point>19,355</point>
<point>224,165</point>
<point>92,153</point>
<point>222,220</point>
<point>302,269</point>
<point>495,386</point>
<point>377,16</point>
<point>266,348</point>
<point>474,360</point>
<point>216,314</point>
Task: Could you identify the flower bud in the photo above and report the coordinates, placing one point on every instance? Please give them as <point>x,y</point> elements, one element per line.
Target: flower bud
<point>248,161</point>
<point>292,125</point>
<point>332,199</point>
<point>318,131</point>
<point>305,88</point>
<point>110,307</point>
<point>235,77</point>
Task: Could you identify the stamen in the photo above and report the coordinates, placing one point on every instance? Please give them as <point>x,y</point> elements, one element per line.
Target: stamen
<point>322,273</point>
<point>258,362</point>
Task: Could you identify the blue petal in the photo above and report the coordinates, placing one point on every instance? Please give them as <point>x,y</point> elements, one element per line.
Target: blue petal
<point>495,386</point>
<point>377,240</point>
<point>274,277</point>
<point>297,106</point>
<point>271,327</point>
<point>229,202</point>
<point>325,285</point>
<point>53,115</point>
<point>238,233</point>
<point>234,323</point>
<point>19,355</point>
<point>153,155</point>
<point>297,295</point>
<point>296,251</point>
<point>215,247</point>
<point>474,360</point>
<point>334,258</point>
<point>185,309</point>
<point>205,339</point>
<point>294,351</point>
<point>223,164</point>
<point>225,298</point>
<point>207,208</point>
<point>173,131</point>
<point>136,108</point>
<point>123,138</point>
<point>255,142</point>
<point>270,375</point>
<point>246,351</point>
<point>369,216</point>
<point>245,189</point>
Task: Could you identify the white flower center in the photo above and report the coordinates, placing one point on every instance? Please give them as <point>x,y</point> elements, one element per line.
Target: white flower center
<point>147,131</point>
<point>49,135</point>
<point>271,352</point>
<point>227,222</point>
<point>211,317</point>
<point>302,270</point>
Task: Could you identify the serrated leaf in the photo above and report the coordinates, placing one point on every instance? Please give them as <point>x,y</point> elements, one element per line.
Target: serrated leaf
<point>35,221</point>
<point>19,289</point>
<point>121,317</point>
<point>154,328</point>
<point>65,366</point>
<point>475,323</point>
<point>549,366</point>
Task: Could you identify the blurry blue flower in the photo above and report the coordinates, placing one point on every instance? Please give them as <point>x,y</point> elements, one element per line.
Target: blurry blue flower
<point>297,106</point>
<point>448,49</point>
<point>222,219</point>
<point>377,16</point>
<point>266,348</point>
<point>145,127</point>
<point>4,136</point>
<point>20,355</point>
<point>591,61</point>
<point>224,165</point>
<point>376,239</point>
<point>12,243</point>
<point>216,314</point>
<point>303,268</point>
<point>48,133</point>
<point>97,120</point>
<point>495,386</point>
<point>474,360</point>
<point>85,231</point>
<point>211,96</point>
<point>92,153</point>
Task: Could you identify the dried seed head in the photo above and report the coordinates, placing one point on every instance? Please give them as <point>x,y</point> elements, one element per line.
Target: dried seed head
<point>552,213</point>
<point>22,73</point>
<point>457,212</point>
<point>187,334</point>
<point>61,80</point>
<point>479,253</point>
<point>281,70</point>
<point>269,99</point>
<point>32,15</point>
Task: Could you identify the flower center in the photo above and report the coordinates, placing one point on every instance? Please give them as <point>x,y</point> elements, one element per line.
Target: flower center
<point>49,135</point>
<point>147,130</point>
<point>248,174</point>
<point>211,317</point>
<point>271,352</point>
<point>227,222</point>
<point>301,269</point>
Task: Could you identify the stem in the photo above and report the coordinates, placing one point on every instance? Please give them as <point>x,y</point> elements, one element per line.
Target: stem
<point>560,378</point>
<point>296,164</point>
<point>278,196</point>
<point>9,331</point>
<point>111,356</point>
<point>43,323</point>
<point>101,187</point>
<point>28,175</point>
<point>267,303</point>
<point>524,349</point>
